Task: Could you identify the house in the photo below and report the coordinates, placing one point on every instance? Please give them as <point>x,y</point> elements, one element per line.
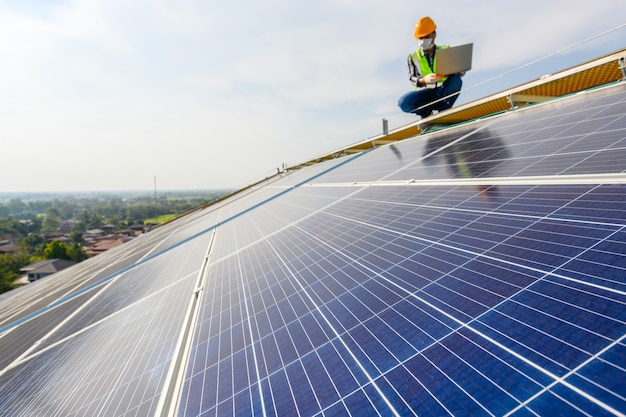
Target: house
<point>109,229</point>
<point>44,268</point>
<point>58,236</point>
<point>93,234</point>
<point>105,244</point>
<point>9,248</point>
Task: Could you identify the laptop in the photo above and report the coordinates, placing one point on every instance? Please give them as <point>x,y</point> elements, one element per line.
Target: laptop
<point>454,59</point>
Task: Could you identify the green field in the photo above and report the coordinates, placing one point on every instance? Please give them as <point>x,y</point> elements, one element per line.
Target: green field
<point>161,219</point>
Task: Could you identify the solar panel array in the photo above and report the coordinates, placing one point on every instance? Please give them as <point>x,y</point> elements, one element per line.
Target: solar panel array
<point>476,270</point>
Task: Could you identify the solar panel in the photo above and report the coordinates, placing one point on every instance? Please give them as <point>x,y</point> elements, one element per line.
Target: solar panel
<point>476,270</point>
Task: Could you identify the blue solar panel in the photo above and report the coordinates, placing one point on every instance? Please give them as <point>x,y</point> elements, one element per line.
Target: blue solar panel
<point>476,270</point>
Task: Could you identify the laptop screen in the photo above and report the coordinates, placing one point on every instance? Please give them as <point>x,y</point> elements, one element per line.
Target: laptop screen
<point>454,59</point>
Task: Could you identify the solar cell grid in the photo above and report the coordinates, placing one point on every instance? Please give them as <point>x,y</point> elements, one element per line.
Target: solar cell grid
<point>367,347</point>
<point>363,342</point>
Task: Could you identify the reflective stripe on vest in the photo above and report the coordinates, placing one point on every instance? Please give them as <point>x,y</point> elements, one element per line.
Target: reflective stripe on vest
<point>419,58</point>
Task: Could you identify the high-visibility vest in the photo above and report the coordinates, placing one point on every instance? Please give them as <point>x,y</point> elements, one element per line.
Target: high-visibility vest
<point>419,58</point>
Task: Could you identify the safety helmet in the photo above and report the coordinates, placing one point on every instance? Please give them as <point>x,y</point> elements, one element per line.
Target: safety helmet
<point>424,27</point>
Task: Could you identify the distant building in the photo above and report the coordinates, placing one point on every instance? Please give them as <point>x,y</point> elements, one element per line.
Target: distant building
<point>109,229</point>
<point>44,268</point>
<point>9,248</point>
<point>105,244</point>
<point>58,236</point>
<point>93,234</point>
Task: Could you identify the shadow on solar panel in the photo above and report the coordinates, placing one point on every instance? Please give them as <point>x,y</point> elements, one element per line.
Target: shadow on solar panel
<point>474,154</point>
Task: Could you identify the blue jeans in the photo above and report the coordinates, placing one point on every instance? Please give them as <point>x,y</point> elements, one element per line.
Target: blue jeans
<point>413,100</point>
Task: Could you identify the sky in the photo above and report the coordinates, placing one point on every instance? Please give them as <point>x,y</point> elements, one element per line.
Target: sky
<point>204,94</point>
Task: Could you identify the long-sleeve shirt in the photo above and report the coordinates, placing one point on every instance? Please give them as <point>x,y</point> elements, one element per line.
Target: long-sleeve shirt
<point>414,69</point>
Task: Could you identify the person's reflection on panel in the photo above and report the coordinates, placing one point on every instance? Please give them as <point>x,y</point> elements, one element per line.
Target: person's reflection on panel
<point>479,155</point>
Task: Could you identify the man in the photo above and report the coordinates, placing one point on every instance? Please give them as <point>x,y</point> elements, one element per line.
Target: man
<point>432,91</point>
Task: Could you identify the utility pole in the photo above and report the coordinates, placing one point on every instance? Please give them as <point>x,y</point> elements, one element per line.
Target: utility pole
<point>155,202</point>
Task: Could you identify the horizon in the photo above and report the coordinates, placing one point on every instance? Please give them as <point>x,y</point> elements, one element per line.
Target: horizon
<point>26,196</point>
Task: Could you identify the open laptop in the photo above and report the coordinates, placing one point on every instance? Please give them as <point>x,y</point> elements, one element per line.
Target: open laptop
<point>454,59</point>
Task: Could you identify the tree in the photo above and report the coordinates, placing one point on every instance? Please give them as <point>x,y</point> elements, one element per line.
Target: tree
<point>57,250</point>
<point>35,225</point>
<point>52,220</point>
<point>77,252</point>
<point>76,237</point>
<point>87,221</point>
<point>10,266</point>
<point>33,243</point>
<point>60,250</point>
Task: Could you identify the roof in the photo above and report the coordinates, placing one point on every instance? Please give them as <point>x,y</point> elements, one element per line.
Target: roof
<point>48,266</point>
<point>10,248</point>
<point>106,244</point>
<point>473,270</point>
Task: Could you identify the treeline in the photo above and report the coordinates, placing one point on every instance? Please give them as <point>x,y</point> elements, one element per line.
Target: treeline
<point>29,224</point>
<point>92,212</point>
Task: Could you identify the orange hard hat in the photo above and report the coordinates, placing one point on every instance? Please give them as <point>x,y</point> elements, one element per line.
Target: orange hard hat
<point>424,27</point>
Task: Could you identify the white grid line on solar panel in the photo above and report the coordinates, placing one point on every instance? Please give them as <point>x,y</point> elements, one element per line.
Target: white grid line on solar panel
<point>452,265</point>
<point>589,396</point>
<point>547,335</point>
<point>224,251</point>
<point>591,126</point>
<point>65,379</point>
<point>478,219</point>
<point>546,314</point>
<point>47,342</point>
<point>413,372</point>
<point>345,285</point>
<point>507,376</point>
<point>534,219</point>
<point>185,229</point>
<point>194,362</point>
<point>145,279</point>
<point>15,340</point>
<point>219,333</point>
<point>296,205</point>
<point>304,174</point>
<point>521,165</point>
<point>336,333</point>
<point>77,282</point>
<point>573,372</point>
<point>404,155</point>
<point>581,393</point>
<point>248,309</point>
<point>285,365</point>
<point>612,263</point>
<point>534,197</point>
<point>64,329</point>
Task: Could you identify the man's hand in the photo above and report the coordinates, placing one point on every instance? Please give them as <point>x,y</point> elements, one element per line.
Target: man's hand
<point>432,78</point>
